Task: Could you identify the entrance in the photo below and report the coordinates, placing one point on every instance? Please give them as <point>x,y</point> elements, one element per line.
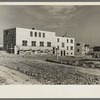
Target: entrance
<point>64,52</point>
<point>61,52</point>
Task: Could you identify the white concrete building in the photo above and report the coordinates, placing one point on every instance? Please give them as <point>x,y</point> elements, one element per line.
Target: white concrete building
<point>22,39</point>
<point>28,39</point>
<point>65,46</point>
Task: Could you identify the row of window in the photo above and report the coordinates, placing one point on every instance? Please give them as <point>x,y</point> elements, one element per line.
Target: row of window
<point>37,34</point>
<point>68,48</point>
<point>68,53</point>
<point>33,43</point>
<point>63,45</point>
<point>68,41</point>
<point>63,53</point>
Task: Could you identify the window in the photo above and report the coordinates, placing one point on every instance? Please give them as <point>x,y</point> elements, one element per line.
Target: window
<point>24,43</point>
<point>67,40</point>
<point>67,47</point>
<point>44,35</point>
<point>48,44</point>
<point>67,53</point>
<point>71,53</point>
<point>71,48</point>
<point>35,34</point>
<point>64,52</point>
<point>78,44</point>
<point>39,34</point>
<point>33,43</point>
<point>63,45</point>
<point>58,47</point>
<point>57,39</point>
<point>31,33</point>
<point>71,41</point>
<point>78,50</point>
<point>41,44</point>
<point>61,52</point>
<point>7,32</point>
<point>54,50</point>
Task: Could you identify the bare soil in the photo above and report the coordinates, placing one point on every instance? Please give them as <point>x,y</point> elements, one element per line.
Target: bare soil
<point>26,69</point>
<point>9,76</point>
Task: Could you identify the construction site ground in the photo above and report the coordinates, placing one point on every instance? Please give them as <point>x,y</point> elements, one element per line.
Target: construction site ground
<point>34,69</point>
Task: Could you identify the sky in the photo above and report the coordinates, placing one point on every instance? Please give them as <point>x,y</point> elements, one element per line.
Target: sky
<point>81,22</point>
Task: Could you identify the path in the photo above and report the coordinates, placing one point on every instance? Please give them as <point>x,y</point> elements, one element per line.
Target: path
<point>9,76</point>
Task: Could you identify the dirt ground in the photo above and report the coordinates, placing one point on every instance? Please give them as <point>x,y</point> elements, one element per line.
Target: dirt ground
<point>9,76</point>
<point>19,69</point>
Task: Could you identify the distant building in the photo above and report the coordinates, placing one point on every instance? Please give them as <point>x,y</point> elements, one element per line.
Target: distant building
<point>96,51</point>
<point>81,48</point>
<point>22,39</point>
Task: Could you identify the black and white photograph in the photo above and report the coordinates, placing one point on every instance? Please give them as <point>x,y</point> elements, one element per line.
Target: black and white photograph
<point>49,44</point>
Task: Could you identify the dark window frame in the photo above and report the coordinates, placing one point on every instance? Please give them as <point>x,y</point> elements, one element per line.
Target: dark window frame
<point>71,40</point>
<point>41,44</point>
<point>71,47</point>
<point>35,34</point>
<point>7,32</point>
<point>33,43</point>
<point>43,35</point>
<point>39,34</point>
<point>67,47</point>
<point>67,40</point>
<point>78,50</point>
<point>31,34</point>
<point>58,47</point>
<point>63,44</point>
<point>24,42</point>
<point>57,39</point>
<point>48,44</point>
<point>78,44</point>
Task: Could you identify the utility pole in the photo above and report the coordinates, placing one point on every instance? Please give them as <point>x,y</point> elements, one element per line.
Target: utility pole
<point>57,54</point>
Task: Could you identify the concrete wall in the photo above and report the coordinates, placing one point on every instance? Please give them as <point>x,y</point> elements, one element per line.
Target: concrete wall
<point>79,48</point>
<point>9,40</point>
<point>17,35</point>
<point>24,34</point>
<point>83,49</point>
<point>68,52</point>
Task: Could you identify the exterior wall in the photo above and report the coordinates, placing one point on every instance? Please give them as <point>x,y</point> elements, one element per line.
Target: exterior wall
<point>9,40</point>
<point>96,52</point>
<point>61,50</point>
<point>81,49</point>
<point>24,34</point>
<point>87,49</point>
<point>17,35</point>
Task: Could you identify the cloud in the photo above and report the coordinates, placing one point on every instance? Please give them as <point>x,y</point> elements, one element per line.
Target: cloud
<point>61,15</point>
<point>60,11</point>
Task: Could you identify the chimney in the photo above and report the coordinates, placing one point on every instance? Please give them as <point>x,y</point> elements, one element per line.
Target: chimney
<point>33,28</point>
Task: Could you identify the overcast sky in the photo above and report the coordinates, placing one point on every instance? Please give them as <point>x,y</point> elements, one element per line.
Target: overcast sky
<point>81,22</point>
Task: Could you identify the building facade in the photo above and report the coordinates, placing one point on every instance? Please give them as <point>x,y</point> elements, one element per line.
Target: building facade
<point>65,46</point>
<point>38,41</point>
<point>81,49</point>
<point>96,52</point>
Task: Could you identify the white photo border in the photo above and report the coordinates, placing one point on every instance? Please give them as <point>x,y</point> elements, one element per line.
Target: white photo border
<point>50,91</point>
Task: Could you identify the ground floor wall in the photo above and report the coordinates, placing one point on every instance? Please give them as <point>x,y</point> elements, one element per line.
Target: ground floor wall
<point>34,50</point>
<point>41,50</point>
<point>65,52</point>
